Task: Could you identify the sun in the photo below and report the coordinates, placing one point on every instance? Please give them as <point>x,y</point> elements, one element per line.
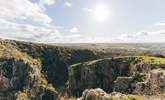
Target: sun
<point>101,13</point>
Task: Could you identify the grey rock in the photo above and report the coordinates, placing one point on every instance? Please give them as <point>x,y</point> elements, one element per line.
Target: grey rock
<point>4,84</point>
<point>102,74</point>
<point>94,94</point>
<point>154,85</point>
<point>123,84</point>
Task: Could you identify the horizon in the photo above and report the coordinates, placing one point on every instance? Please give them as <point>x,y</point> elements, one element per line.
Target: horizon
<point>65,43</point>
<point>77,21</point>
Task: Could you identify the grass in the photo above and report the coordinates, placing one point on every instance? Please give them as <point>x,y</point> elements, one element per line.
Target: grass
<point>7,50</point>
<point>144,59</point>
<point>151,60</point>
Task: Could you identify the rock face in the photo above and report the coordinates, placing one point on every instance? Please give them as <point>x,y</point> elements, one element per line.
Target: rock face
<point>154,85</point>
<point>31,71</point>
<point>157,80</point>
<point>14,74</point>
<point>17,75</point>
<point>56,60</point>
<point>4,83</point>
<point>123,85</point>
<point>95,74</point>
<point>20,75</point>
<point>125,75</point>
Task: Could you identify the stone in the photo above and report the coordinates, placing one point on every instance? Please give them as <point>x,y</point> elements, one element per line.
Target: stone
<point>154,84</point>
<point>94,94</point>
<point>4,84</point>
<point>96,74</point>
<point>123,84</point>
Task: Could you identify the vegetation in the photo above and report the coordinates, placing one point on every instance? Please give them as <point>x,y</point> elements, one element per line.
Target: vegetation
<point>54,60</point>
<point>44,70</point>
<point>102,73</point>
<point>23,72</point>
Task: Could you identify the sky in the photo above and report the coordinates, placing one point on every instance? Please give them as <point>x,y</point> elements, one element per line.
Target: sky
<point>83,21</point>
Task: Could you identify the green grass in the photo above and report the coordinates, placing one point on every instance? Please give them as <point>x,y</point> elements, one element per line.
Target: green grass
<point>144,59</point>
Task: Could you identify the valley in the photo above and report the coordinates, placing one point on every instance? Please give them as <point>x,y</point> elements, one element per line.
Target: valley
<point>32,71</point>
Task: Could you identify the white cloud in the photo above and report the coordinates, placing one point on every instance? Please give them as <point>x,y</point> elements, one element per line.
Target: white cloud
<point>74,30</point>
<point>44,34</point>
<point>13,30</point>
<point>39,28</point>
<point>68,4</point>
<point>23,10</point>
<point>77,38</point>
<point>154,36</point>
<point>42,3</point>
<point>36,26</point>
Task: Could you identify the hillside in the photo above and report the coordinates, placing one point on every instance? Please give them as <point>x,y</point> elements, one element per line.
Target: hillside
<point>54,60</point>
<point>121,49</point>
<point>52,65</point>
<point>31,71</point>
<point>128,75</point>
<point>20,75</point>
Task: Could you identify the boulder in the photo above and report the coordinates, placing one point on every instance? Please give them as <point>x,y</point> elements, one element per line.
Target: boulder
<point>94,94</point>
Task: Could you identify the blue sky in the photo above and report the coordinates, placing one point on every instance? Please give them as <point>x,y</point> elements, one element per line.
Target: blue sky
<point>68,21</point>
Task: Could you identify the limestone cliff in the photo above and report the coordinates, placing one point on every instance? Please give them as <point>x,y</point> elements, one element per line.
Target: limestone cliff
<point>21,77</point>
<point>30,71</point>
<point>33,71</point>
<point>121,74</point>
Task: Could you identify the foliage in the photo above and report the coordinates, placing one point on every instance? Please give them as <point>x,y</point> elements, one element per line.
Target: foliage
<point>55,60</point>
<point>21,96</point>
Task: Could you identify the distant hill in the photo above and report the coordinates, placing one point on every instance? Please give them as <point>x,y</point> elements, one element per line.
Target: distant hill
<point>120,48</point>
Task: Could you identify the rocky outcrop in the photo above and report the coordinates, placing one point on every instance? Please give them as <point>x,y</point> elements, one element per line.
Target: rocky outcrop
<point>31,71</point>
<point>15,74</point>
<point>101,73</point>
<point>19,73</point>
<point>154,85</point>
<point>4,83</point>
<point>157,81</point>
<point>94,94</point>
<point>55,60</point>
<point>20,78</point>
<point>123,85</point>
<point>123,74</point>
<point>99,94</point>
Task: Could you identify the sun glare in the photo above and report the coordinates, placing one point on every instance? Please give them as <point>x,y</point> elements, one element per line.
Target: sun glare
<point>101,13</point>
